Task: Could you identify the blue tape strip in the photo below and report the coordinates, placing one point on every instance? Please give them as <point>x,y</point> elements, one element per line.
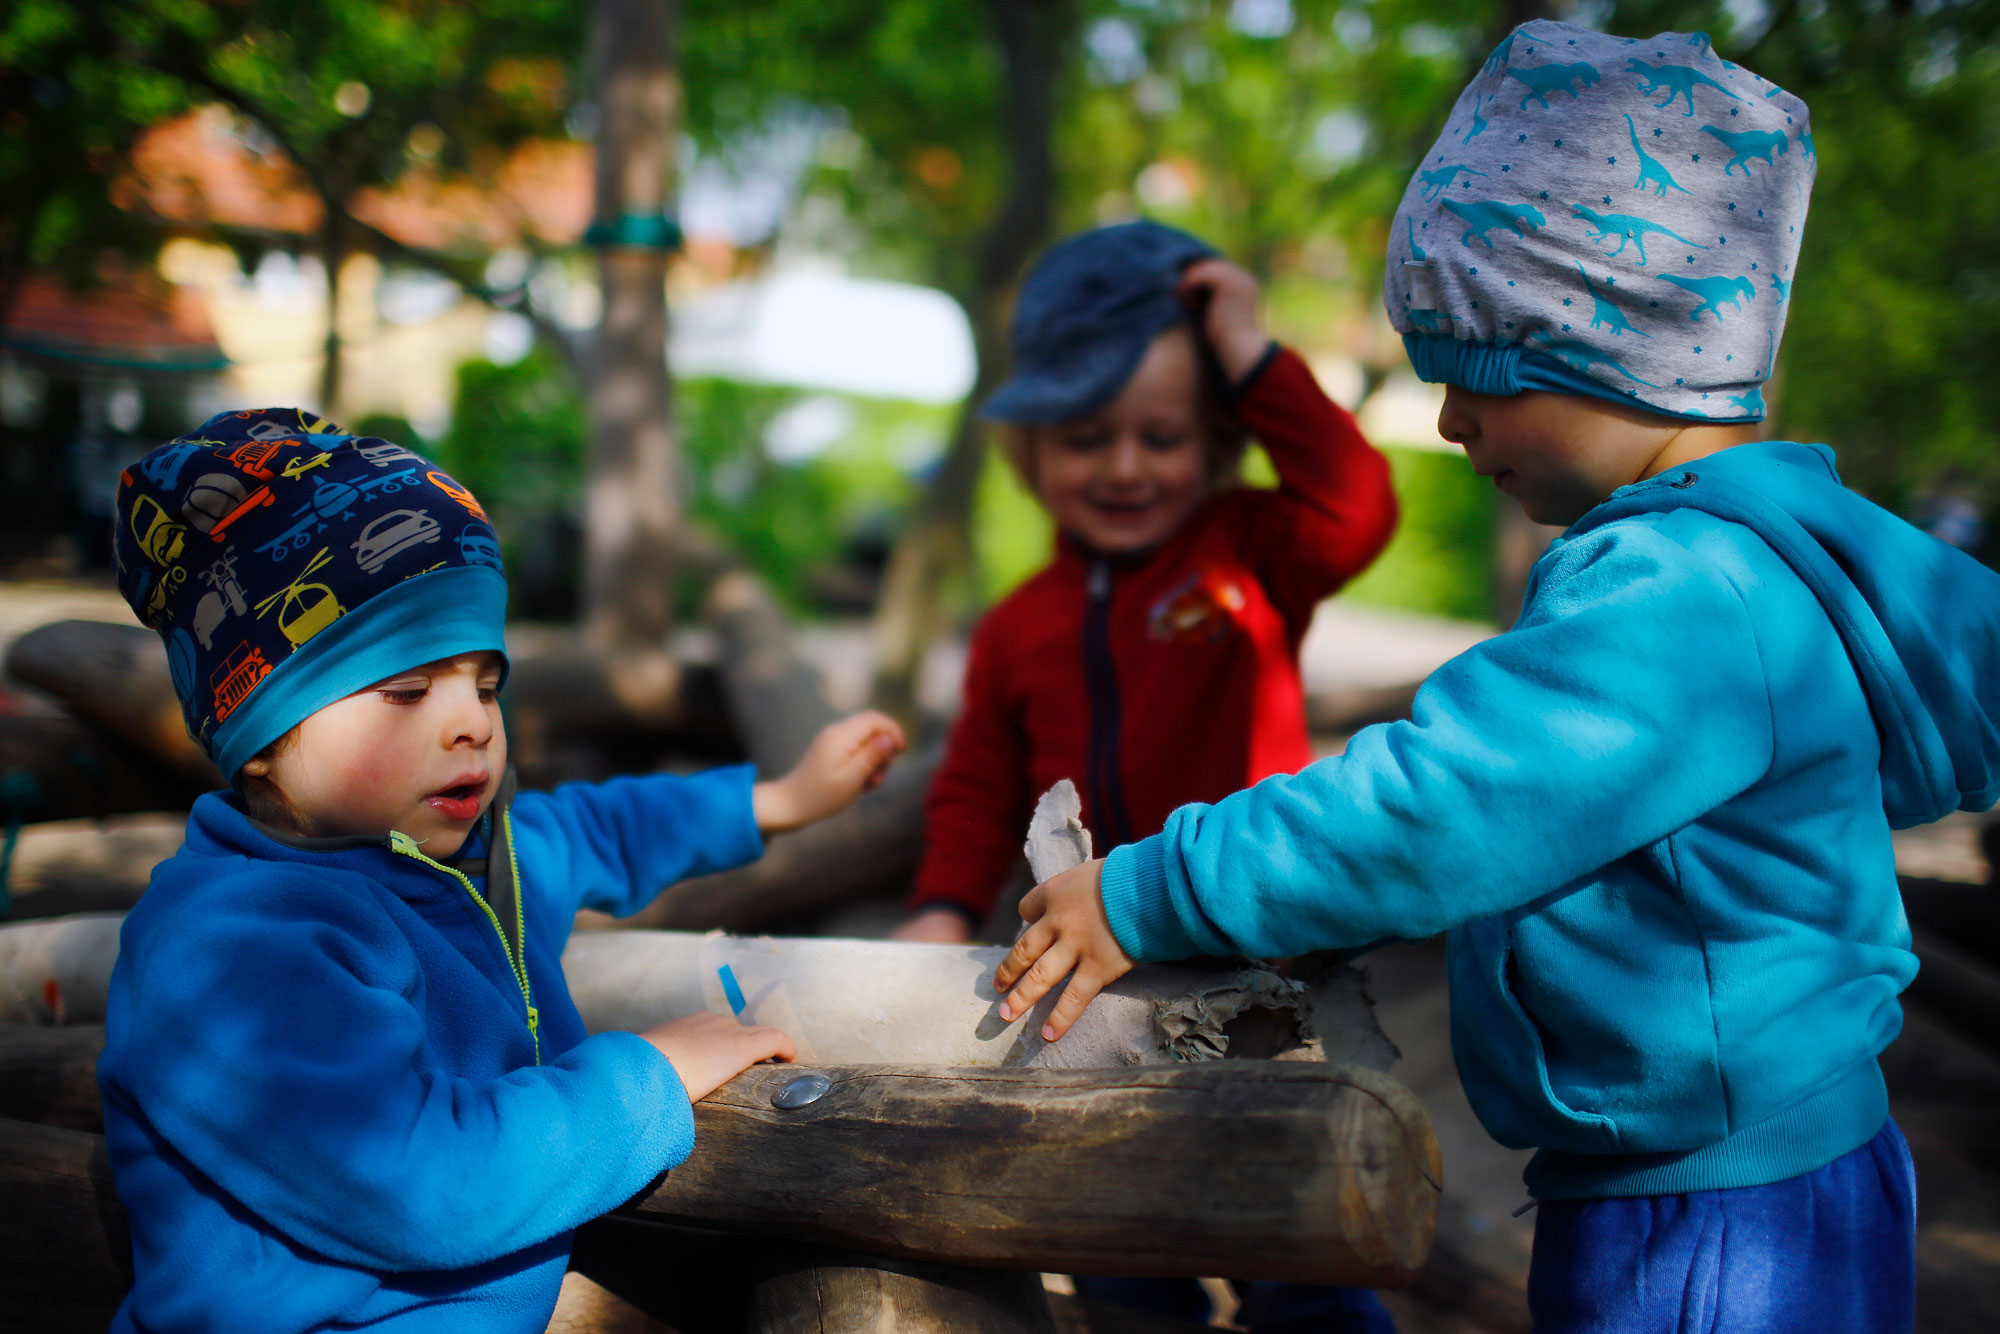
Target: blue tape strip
<point>730,991</point>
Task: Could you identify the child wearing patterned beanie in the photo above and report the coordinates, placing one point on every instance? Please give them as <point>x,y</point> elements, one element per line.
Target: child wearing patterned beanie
<point>1655,814</point>
<point>344,1083</point>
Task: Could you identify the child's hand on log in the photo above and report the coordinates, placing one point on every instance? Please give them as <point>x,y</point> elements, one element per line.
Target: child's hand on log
<point>847,758</point>
<point>708,1050</point>
<point>1068,930</point>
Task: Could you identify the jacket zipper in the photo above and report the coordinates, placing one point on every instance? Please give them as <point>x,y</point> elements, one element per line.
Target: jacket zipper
<point>517,961</point>
<point>1100,673</point>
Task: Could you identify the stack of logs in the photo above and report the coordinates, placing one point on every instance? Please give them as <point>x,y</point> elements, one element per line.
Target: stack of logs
<point>905,1197</point>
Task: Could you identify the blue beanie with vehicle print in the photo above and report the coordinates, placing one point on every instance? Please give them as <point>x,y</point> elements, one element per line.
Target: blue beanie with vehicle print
<point>1611,216</point>
<point>288,564</point>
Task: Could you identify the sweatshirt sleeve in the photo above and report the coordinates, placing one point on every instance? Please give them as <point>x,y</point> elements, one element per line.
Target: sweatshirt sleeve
<point>978,807</point>
<point>1334,508</point>
<point>1628,701</point>
<point>614,846</point>
<point>295,1005</point>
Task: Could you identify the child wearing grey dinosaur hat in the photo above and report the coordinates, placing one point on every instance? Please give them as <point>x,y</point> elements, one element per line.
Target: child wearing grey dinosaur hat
<point>1655,815</point>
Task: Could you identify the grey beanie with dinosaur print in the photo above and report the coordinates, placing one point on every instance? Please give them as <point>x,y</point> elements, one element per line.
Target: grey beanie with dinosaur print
<point>1611,216</point>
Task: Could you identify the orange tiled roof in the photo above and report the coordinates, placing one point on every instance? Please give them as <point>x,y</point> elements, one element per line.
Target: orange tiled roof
<point>198,173</point>
<point>141,322</point>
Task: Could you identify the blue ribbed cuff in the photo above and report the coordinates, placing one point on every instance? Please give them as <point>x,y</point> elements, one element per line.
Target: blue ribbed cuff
<point>1505,369</point>
<point>462,609</point>
<point>1139,904</point>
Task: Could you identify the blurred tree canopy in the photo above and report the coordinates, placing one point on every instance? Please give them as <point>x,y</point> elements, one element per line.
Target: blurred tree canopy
<point>1283,130</point>
<point>355,94</point>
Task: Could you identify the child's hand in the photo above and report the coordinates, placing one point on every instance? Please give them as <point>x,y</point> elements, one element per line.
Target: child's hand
<point>936,926</point>
<point>846,759</point>
<point>709,1050</point>
<point>1225,297</point>
<point>1069,931</point>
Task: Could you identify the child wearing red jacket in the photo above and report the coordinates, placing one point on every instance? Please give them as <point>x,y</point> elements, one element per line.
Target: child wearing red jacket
<point>1155,661</point>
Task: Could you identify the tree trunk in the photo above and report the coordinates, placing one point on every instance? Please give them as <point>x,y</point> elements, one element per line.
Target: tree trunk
<point>1031,35</point>
<point>632,505</point>
<point>333,250</point>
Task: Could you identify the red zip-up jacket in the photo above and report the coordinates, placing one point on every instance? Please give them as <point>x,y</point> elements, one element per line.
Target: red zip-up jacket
<point>1156,680</point>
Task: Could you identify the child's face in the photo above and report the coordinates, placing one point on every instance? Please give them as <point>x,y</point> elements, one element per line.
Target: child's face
<point>1559,455</point>
<point>1126,477</point>
<point>421,752</point>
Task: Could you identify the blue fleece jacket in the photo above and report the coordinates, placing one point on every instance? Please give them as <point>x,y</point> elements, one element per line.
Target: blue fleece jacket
<point>332,1099</point>
<point>1655,819</point>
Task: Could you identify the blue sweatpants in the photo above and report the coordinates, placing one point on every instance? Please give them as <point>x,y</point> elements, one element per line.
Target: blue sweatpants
<point>1829,1252</point>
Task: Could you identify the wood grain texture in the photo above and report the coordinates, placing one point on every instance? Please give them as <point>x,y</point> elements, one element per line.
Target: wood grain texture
<point>49,1075</point>
<point>1255,1169</point>
<point>65,1254</point>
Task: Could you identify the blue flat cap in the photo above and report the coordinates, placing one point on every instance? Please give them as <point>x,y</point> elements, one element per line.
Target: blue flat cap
<point>1087,313</point>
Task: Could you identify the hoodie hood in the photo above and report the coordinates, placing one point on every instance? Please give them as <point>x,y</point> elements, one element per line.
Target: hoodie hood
<point>1920,619</point>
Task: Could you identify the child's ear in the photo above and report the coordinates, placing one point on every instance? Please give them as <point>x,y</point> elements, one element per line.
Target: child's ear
<point>257,767</point>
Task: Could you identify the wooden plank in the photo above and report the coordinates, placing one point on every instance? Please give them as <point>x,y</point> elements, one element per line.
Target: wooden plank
<point>776,700</point>
<point>869,849</point>
<point>811,1291</point>
<point>49,1075</point>
<point>65,1254</point>
<point>1256,1169</point>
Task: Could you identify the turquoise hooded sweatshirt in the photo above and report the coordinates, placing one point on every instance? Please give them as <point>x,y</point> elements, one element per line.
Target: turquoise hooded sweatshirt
<point>1655,819</point>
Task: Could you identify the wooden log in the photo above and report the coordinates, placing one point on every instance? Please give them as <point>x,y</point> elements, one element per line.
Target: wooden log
<point>60,768</point>
<point>1255,1169</point>
<point>57,970</point>
<point>65,1252</point>
<point>777,702</point>
<point>852,1002</point>
<point>114,677</point>
<point>812,1291</point>
<point>636,702</point>
<point>868,850</point>
<point>48,1076</point>
<point>843,1001</point>
<point>71,866</point>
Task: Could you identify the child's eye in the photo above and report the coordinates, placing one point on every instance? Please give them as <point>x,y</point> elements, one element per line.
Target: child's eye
<point>1085,441</point>
<point>489,694</point>
<point>1165,440</point>
<point>405,694</point>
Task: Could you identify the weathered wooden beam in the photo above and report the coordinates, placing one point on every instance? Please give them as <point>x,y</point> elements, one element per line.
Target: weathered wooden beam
<point>805,1290</point>
<point>1255,1169</point>
<point>48,1075</point>
<point>61,768</point>
<point>777,702</point>
<point>65,1253</point>
<point>870,849</point>
<point>72,866</point>
<point>114,677</point>
<point>57,970</point>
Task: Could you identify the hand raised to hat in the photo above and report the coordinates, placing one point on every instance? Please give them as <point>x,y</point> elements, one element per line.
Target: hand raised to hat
<point>1224,298</point>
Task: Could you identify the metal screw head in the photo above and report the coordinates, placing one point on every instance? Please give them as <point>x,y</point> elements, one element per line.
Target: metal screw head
<point>801,1092</point>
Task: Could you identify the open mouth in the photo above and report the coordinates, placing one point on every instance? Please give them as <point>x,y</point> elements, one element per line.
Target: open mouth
<point>460,801</point>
